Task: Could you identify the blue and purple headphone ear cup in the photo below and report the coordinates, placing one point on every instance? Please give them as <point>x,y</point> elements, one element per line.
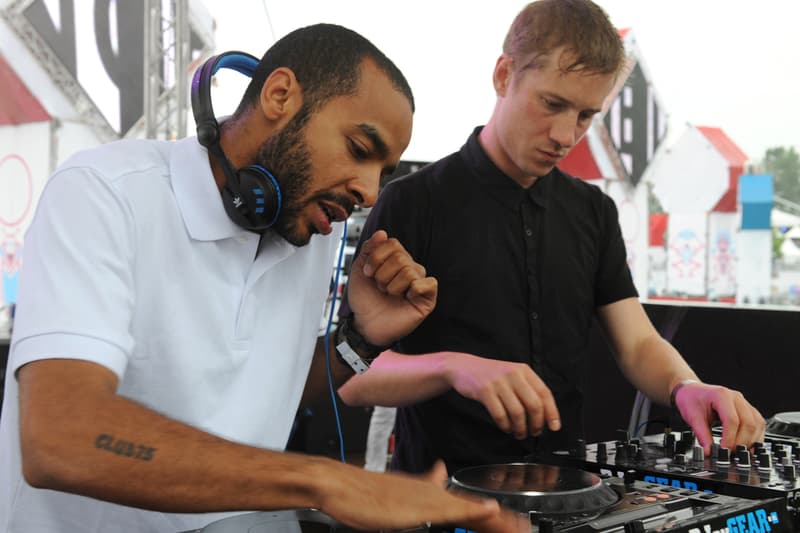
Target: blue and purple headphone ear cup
<point>263,194</point>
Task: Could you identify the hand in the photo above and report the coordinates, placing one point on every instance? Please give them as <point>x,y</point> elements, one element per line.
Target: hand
<point>372,501</point>
<point>700,404</point>
<point>517,398</point>
<point>388,292</point>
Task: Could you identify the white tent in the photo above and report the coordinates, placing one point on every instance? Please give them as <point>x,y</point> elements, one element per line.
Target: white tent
<point>782,219</point>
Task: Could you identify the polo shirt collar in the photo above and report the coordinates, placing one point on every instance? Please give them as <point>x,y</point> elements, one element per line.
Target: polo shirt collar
<point>504,188</point>
<point>197,195</point>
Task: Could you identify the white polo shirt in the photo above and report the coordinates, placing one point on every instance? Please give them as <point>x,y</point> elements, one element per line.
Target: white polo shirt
<point>131,262</point>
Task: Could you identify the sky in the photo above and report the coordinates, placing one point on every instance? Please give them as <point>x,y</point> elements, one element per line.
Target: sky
<point>731,64</point>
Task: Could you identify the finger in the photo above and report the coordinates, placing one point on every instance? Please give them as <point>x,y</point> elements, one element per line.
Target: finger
<point>696,418</point>
<point>367,249</point>
<point>392,267</point>
<point>549,408</point>
<point>399,276</point>
<point>515,411</point>
<point>437,473</point>
<point>532,404</point>
<point>497,410</point>
<point>505,521</point>
<point>751,423</point>
<point>422,292</point>
<point>726,410</point>
<point>469,510</point>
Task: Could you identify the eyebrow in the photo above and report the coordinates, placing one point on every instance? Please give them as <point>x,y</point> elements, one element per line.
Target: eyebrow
<point>572,104</point>
<point>375,137</point>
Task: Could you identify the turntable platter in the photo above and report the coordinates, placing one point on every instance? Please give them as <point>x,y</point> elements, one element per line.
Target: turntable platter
<point>539,489</point>
<point>784,425</point>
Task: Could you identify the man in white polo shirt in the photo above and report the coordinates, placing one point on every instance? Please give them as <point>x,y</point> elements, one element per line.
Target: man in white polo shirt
<point>167,319</point>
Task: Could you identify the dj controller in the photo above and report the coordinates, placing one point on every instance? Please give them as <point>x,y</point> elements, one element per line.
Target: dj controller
<point>657,483</point>
<point>564,499</point>
<point>676,464</point>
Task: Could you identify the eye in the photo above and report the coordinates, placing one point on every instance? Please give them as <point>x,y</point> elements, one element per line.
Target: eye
<point>585,116</point>
<point>553,105</point>
<point>359,152</point>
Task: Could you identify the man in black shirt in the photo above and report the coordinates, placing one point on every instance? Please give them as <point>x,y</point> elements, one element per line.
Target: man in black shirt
<point>525,256</point>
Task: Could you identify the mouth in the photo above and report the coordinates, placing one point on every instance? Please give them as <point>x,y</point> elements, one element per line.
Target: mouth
<point>552,157</point>
<point>327,214</point>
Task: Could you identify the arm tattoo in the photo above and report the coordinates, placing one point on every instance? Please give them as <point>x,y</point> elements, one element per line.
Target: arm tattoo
<point>124,447</point>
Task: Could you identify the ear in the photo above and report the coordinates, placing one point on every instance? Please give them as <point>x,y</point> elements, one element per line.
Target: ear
<point>281,96</point>
<point>501,78</point>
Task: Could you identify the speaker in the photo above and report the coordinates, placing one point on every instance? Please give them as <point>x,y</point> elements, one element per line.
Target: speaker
<point>251,195</point>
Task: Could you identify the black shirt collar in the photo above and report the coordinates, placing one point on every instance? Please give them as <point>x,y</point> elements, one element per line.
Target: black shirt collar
<point>505,189</point>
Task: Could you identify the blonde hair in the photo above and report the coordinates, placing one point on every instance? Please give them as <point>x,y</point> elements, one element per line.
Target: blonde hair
<point>580,26</point>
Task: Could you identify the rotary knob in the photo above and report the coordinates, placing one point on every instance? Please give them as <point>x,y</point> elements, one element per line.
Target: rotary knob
<point>669,445</point>
<point>602,452</point>
<point>764,461</point>
<point>743,458</point>
<point>697,454</point>
<point>723,456</point>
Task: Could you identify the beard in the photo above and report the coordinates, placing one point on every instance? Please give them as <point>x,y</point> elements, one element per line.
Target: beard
<point>287,156</point>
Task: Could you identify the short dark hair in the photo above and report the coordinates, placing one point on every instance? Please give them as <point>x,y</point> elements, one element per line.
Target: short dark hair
<point>580,26</point>
<point>326,60</point>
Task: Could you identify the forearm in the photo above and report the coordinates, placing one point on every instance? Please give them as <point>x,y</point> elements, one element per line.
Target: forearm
<point>87,440</point>
<point>395,379</point>
<point>655,368</point>
<point>317,384</point>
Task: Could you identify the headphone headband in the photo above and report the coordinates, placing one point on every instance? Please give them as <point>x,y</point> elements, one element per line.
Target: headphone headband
<point>251,196</point>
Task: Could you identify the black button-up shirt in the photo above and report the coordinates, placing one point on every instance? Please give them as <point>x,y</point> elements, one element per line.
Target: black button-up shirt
<point>521,272</point>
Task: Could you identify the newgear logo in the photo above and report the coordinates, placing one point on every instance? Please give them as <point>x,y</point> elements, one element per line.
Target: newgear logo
<point>758,521</point>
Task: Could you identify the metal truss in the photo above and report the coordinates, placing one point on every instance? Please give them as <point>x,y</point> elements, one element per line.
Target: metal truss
<point>86,110</point>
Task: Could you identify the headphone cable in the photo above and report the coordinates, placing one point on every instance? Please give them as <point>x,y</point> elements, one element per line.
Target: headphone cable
<point>327,343</point>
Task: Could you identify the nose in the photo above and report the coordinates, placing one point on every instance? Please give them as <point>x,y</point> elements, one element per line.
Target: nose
<point>564,131</point>
<point>365,187</point>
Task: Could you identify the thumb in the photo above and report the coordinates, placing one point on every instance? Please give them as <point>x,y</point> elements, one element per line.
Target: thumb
<point>437,474</point>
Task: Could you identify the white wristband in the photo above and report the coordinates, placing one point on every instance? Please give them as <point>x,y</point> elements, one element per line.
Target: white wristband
<point>674,393</point>
<point>350,357</point>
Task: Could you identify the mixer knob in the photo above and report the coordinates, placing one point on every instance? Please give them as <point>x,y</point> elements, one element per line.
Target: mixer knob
<point>579,450</point>
<point>632,451</point>
<point>789,472</point>
<point>640,453</point>
<point>602,452</point>
<point>714,450</point>
<point>669,445</point>
<point>723,456</point>
<point>764,461</point>
<point>679,459</point>
<point>780,454</point>
<point>622,451</point>
<point>623,436</point>
<point>758,447</point>
<point>743,457</point>
<point>740,447</point>
<point>697,454</point>
<point>629,478</point>
<point>688,438</point>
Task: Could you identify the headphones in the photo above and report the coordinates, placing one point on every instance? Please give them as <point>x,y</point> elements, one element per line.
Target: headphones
<point>251,195</point>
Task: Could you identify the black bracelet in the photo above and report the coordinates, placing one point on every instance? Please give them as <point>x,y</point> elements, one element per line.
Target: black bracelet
<point>347,333</point>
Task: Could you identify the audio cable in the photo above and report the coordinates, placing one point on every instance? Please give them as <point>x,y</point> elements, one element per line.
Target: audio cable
<point>327,343</point>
